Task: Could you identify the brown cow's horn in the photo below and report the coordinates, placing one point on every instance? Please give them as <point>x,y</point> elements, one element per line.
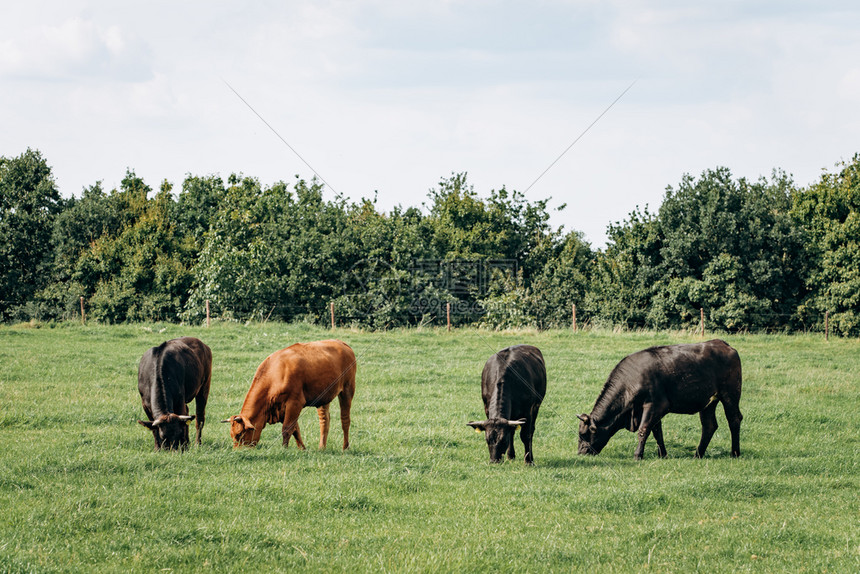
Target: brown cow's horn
<point>230,420</point>
<point>157,421</point>
<point>583,417</point>
<point>186,418</point>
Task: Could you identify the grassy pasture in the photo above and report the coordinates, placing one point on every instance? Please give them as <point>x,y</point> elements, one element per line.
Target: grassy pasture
<point>81,489</point>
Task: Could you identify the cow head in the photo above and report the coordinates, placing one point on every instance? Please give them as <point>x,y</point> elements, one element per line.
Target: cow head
<point>170,431</point>
<point>499,434</point>
<point>242,431</point>
<point>592,439</point>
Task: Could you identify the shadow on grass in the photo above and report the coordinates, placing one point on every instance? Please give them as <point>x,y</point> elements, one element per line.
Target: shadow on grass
<point>626,460</point>
<point>582,461</point>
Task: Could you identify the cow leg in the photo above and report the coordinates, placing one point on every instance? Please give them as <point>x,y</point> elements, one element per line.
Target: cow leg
<point>345,400</point>
<point>298,436</point>
<point>200,403</point>
<point>657,431</point>
<point>649,414</point>
<point>734,416</point>
<point>294,431</point>
<point>511,454</point>
<point>526,435</point>
<point>291,424</point>
<point>642,433</point>
<point>149,416</point>
<point>323,414</point>
<point>200,410</point>
<point>709,427</point>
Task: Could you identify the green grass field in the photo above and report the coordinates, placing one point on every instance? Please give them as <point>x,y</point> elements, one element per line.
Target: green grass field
<point>81,489</point>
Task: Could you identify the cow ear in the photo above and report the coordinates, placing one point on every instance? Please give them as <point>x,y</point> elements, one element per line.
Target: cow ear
<point>241,420</point>
<point>477,425</point>
<point>147,424</point>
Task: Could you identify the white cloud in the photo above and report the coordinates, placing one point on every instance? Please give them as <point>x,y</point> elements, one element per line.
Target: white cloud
<point>849,85</point>
<point>394,95</point>
<point>70,50</point>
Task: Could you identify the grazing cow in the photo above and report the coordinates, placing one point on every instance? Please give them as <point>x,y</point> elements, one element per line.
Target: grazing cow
<point>168,377</point>
<point>513,385</point>
<point>302,375</point>
<point>647,385</point>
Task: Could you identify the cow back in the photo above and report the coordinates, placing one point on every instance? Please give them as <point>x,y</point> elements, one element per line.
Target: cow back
<point>685,377</point>
<point>311,373</point>
<point>513,381</point>
<point>174,373</point>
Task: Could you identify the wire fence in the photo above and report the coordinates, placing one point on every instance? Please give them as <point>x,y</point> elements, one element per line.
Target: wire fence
<point>449,314</point>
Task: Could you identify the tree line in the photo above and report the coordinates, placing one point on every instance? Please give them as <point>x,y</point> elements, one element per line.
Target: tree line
<point>759,255</point>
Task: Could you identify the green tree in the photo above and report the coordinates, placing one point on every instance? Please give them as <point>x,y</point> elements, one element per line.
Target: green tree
<point>196,207</point>
<point>505,226</point>
<point>565,279</point>
<point>723,245</point>
<point>731,248</point>
<point>626,271</point>
<point>272,252</point>
<point>829,210</point>
<point>137,269</point>
<point>29,202</point>
<point>378,290</point>
<point>81,224</point>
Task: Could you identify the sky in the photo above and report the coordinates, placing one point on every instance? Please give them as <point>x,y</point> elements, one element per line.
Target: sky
<point>386,98</point>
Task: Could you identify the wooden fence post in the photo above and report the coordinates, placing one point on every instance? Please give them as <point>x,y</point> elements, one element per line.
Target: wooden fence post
<point>702,318</point>
<point>448,309</point>
<point>331,308</point>
<point>207,313</point>
<point>827,325</point>
<point>83,315</point>
<point>574,318</point>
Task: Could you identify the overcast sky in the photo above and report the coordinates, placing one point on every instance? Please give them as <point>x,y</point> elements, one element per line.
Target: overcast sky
<point>391,96</point>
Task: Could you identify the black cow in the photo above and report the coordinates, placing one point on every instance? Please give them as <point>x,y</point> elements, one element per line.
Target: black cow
<point>168,377</point>
<point>513,385</point>
<point>647,385</point>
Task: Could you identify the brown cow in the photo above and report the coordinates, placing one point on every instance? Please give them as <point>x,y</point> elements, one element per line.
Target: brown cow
<point>302,375</point>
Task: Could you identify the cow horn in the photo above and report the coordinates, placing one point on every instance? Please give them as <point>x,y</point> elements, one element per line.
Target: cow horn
<point>186,418</point>
<point>583,417</point>
<point>157,421</point>
<point>230,420</point>
<point>476,424</point>
<point>517,423</point>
